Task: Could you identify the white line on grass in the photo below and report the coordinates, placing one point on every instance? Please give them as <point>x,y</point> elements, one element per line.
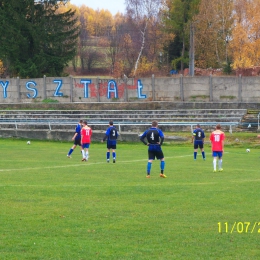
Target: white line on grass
<point>81,164</point>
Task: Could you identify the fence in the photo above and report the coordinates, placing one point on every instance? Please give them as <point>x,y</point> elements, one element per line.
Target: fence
<point>173,89</point>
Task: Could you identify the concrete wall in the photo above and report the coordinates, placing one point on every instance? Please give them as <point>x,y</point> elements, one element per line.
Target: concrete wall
<point>63,135</point>
<point>173,89</point>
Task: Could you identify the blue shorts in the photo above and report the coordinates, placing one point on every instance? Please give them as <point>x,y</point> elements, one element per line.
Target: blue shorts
<point>155,151</point>
<point>198,144</point>
<point>217,154</point>
<point>111,146</point>
<point>77,141</point>
<point>155,154</point>
<point>85,146</point>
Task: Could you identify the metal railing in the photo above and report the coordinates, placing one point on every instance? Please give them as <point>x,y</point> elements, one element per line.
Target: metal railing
<point>49,124</point>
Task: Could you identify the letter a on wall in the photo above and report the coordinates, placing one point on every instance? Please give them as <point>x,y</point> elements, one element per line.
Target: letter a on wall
<point>112,88</point>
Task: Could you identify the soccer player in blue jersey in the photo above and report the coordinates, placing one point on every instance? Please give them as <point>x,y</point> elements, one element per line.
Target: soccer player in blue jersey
<point>111,137</point>
<point>76,138</point>
<point>198,140</point>
<point>155,138</point>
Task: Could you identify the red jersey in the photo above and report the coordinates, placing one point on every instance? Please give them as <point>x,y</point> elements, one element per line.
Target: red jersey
<point>217,140</point>
<point>86,133</point>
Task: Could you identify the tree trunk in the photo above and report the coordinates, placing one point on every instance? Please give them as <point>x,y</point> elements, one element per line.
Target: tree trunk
<point>142,47</point>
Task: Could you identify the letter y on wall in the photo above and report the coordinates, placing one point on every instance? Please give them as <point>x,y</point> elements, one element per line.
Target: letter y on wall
<point>4,85</point>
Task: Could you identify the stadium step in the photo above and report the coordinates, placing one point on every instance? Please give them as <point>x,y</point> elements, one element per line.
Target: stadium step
<point>126,120</point>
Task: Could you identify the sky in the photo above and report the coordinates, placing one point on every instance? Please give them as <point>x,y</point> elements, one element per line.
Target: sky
<point>113,6</point>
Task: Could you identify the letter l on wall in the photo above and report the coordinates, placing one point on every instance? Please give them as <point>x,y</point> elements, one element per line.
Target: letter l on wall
<point>139,89</point>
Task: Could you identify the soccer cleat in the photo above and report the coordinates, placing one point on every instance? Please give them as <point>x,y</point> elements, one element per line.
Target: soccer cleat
<point>214,171</point>
<point>163,175</point>
<point>107,161</point>
<point>84,159</point>
<point>148,176</point>
<point>204,159</point>
<point>69,156</point>
<point>114,160</point>
<point>220,170</point>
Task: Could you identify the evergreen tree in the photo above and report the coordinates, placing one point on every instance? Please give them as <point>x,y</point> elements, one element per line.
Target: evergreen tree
<point>35,38</point>
<point>178,15</point>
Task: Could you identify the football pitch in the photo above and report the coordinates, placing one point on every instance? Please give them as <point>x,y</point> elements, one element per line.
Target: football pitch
<point>53,207</point>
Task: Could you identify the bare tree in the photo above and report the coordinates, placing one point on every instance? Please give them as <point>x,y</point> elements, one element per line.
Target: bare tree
<point>91,57</point>
<point>141,12</point>
<point>113,46</point>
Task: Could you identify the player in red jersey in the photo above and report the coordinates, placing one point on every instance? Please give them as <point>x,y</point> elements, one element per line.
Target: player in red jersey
<point>86,133</point>
<point>217,138</point>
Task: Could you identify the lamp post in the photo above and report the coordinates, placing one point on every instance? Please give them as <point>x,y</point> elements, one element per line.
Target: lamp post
<point>160,60</point>
<point>191,52</point>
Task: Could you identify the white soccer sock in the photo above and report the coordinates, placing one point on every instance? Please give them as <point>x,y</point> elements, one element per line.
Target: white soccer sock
<point>215,164</point>
<point>86,154</point>
<point>220,163</point>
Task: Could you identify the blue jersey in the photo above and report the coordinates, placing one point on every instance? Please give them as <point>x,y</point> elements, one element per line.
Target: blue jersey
<point>111,135</point>
<point>155,138</point>
<point>78,130</point>
<point>198,135</point>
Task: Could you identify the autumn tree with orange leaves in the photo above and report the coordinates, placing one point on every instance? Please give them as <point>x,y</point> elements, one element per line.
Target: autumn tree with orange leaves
<point>212,26</point>
<point>245,43</point>
<point>225,32</point>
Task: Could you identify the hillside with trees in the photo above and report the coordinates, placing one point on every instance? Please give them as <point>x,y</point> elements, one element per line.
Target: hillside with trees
<point>56,38</point>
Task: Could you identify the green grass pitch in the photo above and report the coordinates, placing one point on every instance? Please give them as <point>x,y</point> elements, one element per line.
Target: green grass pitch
<point>53,207</point>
